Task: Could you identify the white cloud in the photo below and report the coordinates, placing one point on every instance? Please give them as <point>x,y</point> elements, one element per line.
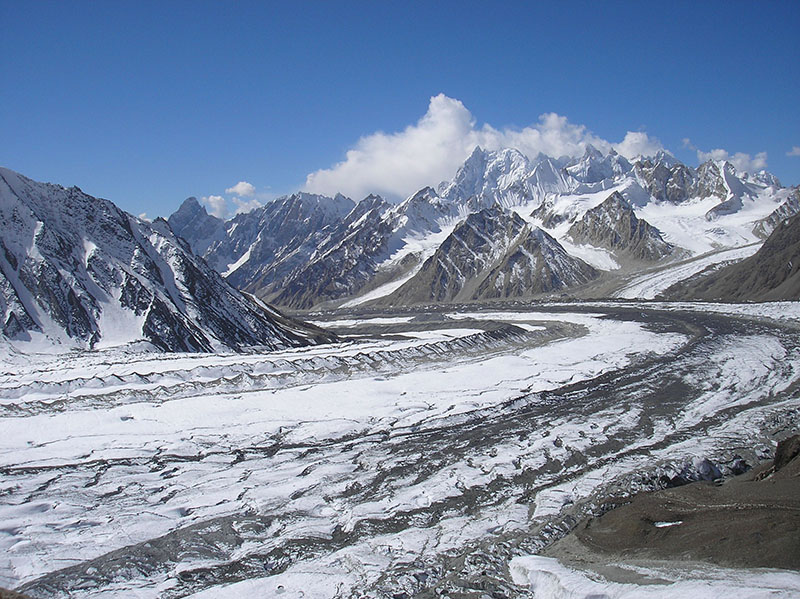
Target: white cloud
<point>795,151</point>
<point>397,164</point>
<point>242,189</point>
<point>638,143</point>
<point>217,206</point>
<point>246,206</point>
<point>226,208</point>
<point>741,161</point>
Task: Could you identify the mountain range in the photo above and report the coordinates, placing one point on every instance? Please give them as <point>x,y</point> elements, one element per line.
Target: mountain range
<point>506,226</point>
<point>77,271</point>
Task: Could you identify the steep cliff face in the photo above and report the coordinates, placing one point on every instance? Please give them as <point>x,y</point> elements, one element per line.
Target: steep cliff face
<point>202,230</point>
<point>77,270</point>
<point>536,264</point>
<point>345,260</point>
<point>665,179</point>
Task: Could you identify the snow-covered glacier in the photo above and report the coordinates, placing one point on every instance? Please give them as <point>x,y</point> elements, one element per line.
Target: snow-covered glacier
<point>426,452</point>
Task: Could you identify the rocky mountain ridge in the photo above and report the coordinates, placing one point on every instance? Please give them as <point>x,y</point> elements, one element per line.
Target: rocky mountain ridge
<point>601,208</point>
<point>77,271</point>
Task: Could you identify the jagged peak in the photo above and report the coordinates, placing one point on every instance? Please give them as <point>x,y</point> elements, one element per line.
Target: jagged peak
<point>616,199</point>
<point>709,165</point>
<point>665,158</point>
<point>373,198</point>
<point>478,154</point>
<point>339,197</point>
<point>591,152</point>
<point>191,205</point>
<point>423,194</point>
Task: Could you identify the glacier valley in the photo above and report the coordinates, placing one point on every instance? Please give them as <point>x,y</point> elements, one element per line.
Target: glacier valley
<point>426,453</point>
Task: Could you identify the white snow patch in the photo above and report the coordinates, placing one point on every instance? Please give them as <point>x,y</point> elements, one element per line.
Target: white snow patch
<point>663,524</point>
<point>548,579</point>
<point>234,266</point>
<point>599,258</point>
<point>649,285</point>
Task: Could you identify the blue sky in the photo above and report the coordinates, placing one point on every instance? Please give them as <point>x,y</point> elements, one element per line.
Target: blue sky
<point>146,103</point>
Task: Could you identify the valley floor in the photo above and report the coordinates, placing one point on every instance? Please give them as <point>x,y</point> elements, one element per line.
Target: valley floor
<point>429,453</point>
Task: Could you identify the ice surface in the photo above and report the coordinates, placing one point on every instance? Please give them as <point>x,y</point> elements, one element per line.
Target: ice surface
<point>105,450</point>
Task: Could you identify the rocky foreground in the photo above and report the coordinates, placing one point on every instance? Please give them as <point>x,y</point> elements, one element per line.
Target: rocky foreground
<point>748,521</point>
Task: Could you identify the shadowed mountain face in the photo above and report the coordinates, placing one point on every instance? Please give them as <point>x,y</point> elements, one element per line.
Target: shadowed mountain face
<point>786,210</point>
<point>773,273</point>
<point>79,271</point>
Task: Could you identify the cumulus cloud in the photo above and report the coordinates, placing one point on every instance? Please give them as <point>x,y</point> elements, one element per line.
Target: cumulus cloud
<point>245,205</point>
<point>431,150</point>
<point>216,206</point>
<point>638,143</point>
<point>795,151</point>
<point>396,164</point>
<point>741,161</point>
<point>242,189</point>
<point>225,208</point>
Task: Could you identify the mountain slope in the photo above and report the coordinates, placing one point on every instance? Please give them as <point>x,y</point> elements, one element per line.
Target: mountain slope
<point>772,273</point>
<point>345,260</point>
<point>258,248</point>
<point>613,225</point>
<point>493,254</point>
<point>536,264</point>
<point>77,270</point>
<point>787,209</point>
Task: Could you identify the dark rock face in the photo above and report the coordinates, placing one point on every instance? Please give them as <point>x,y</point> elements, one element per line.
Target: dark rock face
<point>787,450</point>
<point>708,181</point>
<point>79,265</point>
<point>664,180</point>
<point>536,264</point>
<point>773,273</point>
<point>471,249</point>
<point>287,232</point>
<point>265,244</point>
<point>197,226</point>
<point>614,226</point>
<point>344,261</point>
<point>493,254</point>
